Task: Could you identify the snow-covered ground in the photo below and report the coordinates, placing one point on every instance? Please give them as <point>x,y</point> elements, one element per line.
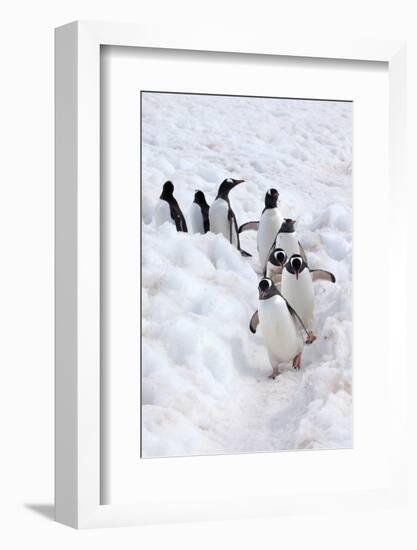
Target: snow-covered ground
<point>204,375</point>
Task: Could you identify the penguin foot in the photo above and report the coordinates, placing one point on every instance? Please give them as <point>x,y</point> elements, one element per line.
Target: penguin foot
<point>245,254</point>
<point>274,374</point>
<point>311,337</point>
<point>296,364</point>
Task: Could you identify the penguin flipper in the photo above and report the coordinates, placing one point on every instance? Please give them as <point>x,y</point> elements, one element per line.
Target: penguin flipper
<point>232,223</point>
<point>183,223</point>
<point>248,226</point>
<point>243,252</point>
<point>298,321</point>
<point>268,257</point>
<point>206,222</point>
<point>302,253</point>
<point>206,219</point>
<point>178,217</point>
<point>254,322</point>
<point>322,275</point>
<point>177,221</point>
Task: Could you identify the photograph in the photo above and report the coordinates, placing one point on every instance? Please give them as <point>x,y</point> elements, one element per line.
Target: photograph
<point>246,274</point>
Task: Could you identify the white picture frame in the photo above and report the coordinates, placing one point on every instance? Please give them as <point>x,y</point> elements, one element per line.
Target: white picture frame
<point>77,422</point>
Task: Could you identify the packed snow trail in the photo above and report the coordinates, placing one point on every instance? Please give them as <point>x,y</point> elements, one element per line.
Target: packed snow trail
<point>204,375</point>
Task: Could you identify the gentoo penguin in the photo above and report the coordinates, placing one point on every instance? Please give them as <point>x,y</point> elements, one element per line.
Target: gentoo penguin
<point>268,226</point>
<point>167,208</point>
<point>275,265</point>
<point>297,287</point>
<point>281,327</point>
<point>286,239</point>
<point>221,216</point>
<point>270,223</point>
<point>199,213</point>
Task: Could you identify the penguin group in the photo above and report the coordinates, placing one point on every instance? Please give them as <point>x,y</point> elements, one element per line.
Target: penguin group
<point>285,311</point>
<point>219,218</point>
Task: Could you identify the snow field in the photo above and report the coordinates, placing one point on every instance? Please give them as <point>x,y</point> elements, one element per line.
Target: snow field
<point>204,375</point>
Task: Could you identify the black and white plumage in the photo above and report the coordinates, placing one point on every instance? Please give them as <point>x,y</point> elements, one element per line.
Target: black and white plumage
<point>297,287</point>
<point>287,240</point>
<point>168,209</point>
<point>275,265</point>
<point>268,226</point>
<point>221,215</point>
<point>199,213</point>
<point>281,327</point>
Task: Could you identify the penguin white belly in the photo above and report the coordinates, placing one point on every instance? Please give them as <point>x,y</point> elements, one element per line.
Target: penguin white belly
<point>162,212</point>
<point>281,336</point>
<point>219,220</point>
<point>299,294</point>
<point>289,243</point>
<point>196,217</point>
<point>269,225</point>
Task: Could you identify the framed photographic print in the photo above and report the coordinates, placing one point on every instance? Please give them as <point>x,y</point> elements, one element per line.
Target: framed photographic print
<point>223,323</point>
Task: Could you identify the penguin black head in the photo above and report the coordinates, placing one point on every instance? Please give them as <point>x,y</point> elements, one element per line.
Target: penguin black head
<point>267,289</point>
<point>226,186</point>
<point>271,198</point>
<point>295,265</point>
<point>199,198</point>
<point>278,257</point>
<point>287,226</point>
<point>167,190</point>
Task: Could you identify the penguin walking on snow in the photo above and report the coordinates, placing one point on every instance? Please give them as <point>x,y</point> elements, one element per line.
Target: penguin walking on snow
<point>297,287</point>
<point>221,216</point>
<point>167,209</point>
<point>199,213</point>
<point>287,240</point>
<point>280,326</point>
<point>268,226</point>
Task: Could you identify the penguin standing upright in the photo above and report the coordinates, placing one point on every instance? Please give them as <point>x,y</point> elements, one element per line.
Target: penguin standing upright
<point>199,213</point>
<point>287,240</point>
<point>268,226</point>
<point>167,208</point>
<point>297,287</point>
<point>221,216</point>
<point>280,326</point>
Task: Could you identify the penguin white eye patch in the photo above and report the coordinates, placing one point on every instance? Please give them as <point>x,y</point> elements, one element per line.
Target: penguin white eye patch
<point>265,284</point>
<point>280,255</point>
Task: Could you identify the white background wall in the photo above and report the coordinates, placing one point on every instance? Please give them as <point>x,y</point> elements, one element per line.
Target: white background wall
<point>26,284</point>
